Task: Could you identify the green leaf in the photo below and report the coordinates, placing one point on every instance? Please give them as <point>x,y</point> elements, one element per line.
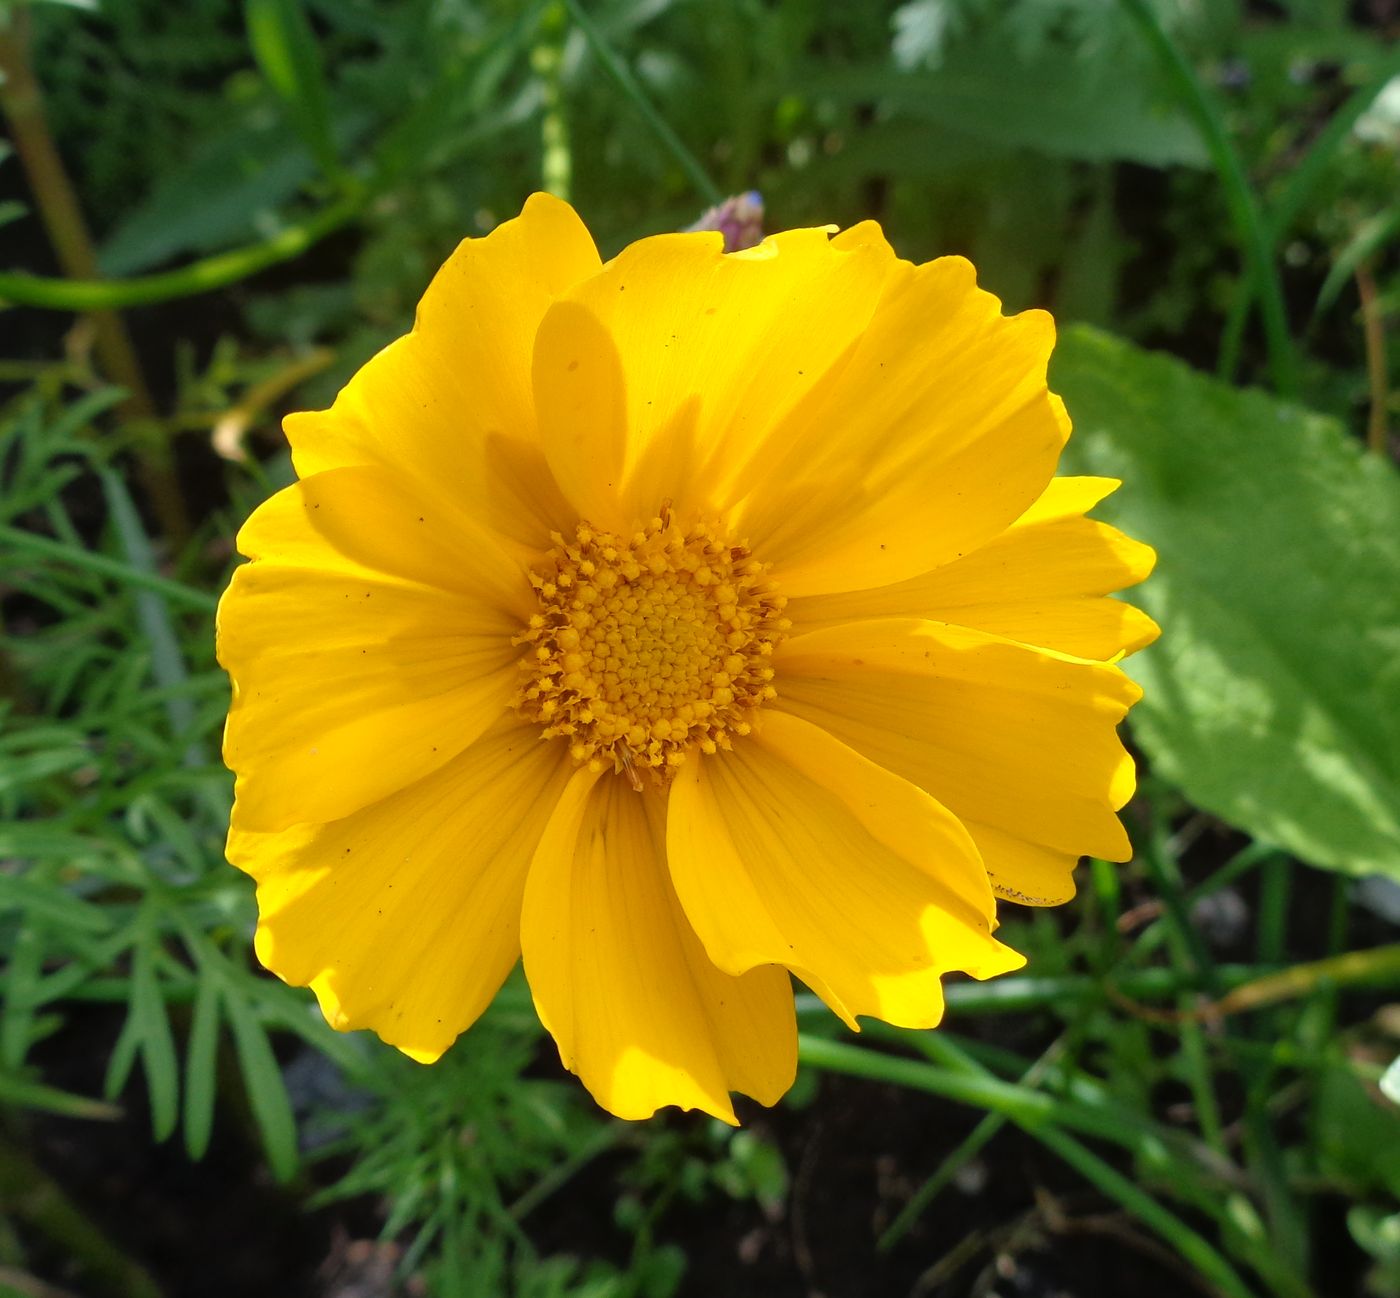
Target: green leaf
<point>266,1091</point>
<point>286,50</point>
<point>157,1043</point>
<point>1370,237</point>
<point>1273,697</point>
<point>200,1062</point>
<point>1051,103</point>
<point>48,900</point>
<point>213,201</point>
<point>1357,1136</point>
<point>21,988</point>
<point>27,1094</point>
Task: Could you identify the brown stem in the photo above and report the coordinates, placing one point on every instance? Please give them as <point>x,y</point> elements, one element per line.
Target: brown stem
<point>1373,326</point>
<point>22,102</point>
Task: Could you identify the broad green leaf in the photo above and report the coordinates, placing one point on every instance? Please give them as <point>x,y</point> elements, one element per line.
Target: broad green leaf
<point>232,181</point>
<point>1053,104</point>
<point>1273,696</point>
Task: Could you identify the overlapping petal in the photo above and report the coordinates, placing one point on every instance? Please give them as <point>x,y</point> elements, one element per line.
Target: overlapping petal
<point>1019,740</point>
<point>622,983</point>
<point>793,849</point>
<point>934,435</point>
<point>450,403</point>
<point>657,378</point>
<point>1044,581</point>
<point>404,917</point>
<point>368,644</point>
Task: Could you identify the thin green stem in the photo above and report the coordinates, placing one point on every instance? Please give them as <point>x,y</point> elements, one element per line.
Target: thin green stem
<point>103,566</point>
<point>547,60</point>
<point>1189,1245</point>
<point>1377,966</point>
<point>198,277</point>
<point>1295,193</point>
<point>1255,239</point>
<point>1182,936</point>
<point>622,77</point>
<point>562,1173</point>
<point>971,1084</point>
<point>1274,894</point>
<point>968,1149</point>
<point>1014,994</point>
<point>1246,859</point>
<point>971,1145</point>
<point>1038,1115</point>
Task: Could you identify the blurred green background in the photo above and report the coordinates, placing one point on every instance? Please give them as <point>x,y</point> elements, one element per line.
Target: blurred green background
<point>211,213</point>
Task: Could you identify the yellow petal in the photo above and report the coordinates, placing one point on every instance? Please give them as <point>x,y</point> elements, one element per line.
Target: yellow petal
<point>932,437</point>
<point>1044,581</point>
<point>1019,739</point>
<point>794,849</point>
<point>450,403</point>
<point>621,981</point>
<point>1068,497</point>
<point>369,520</point>
<point>353,676</point>
<point>656,378</point>
<point>405,917</point>
<point>1024,872</point>
<point>865,234</point>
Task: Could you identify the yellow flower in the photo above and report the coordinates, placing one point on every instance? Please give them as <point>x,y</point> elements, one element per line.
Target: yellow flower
<point>681,621</point>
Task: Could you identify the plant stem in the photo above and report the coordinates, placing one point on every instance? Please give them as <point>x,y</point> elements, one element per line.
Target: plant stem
<point>1373,325</point>
<point>1037,1115</point>
<point>547,61</point>
<point>22,103</point>
<point>1253,234</point>
<point>971,1145</point>
<point>1295,193</point>
<point>562,1173</point>
<point>1378,965</point>
<point>201,276</point>
<point>624,80</point>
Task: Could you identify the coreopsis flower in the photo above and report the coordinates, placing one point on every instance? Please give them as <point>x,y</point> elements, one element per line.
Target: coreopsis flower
<point>684,622</point>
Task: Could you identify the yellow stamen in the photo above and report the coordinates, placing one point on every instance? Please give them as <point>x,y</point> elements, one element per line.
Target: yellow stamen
<point>647,647</point>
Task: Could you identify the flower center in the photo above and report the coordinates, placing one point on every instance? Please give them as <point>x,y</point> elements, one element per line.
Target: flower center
<point>647,647</point>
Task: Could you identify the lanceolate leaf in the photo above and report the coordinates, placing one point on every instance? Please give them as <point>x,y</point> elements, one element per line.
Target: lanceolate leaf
<point>1273,697</point>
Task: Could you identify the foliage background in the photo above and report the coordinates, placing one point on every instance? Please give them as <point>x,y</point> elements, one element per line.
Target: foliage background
<point>1186,1091</point>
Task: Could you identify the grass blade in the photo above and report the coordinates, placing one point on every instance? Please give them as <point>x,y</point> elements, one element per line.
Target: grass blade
<point>286,50</point>
<point>201,1060</point>
<point>267,1093</point>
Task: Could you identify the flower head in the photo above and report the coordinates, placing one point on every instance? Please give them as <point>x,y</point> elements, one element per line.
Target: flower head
<point>681,621</point>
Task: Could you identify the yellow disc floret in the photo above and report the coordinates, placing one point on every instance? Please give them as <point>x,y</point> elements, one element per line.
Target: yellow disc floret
<point>649,646</point>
